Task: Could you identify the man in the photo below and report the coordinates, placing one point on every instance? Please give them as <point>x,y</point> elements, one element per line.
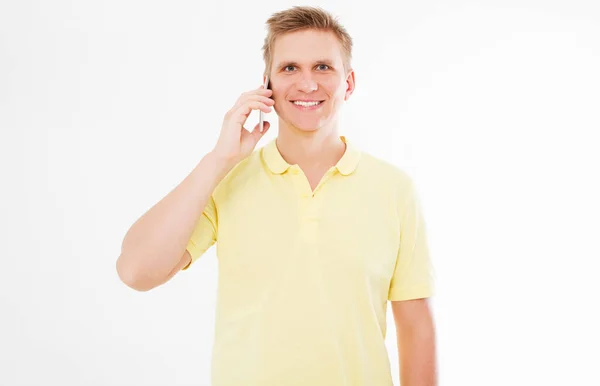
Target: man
<point>313,236</point>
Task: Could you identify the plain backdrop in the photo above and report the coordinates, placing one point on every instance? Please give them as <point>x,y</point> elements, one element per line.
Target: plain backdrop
<point>491,106</point>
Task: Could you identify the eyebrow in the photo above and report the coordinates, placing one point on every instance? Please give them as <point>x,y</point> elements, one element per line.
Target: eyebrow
<point>292,63</point>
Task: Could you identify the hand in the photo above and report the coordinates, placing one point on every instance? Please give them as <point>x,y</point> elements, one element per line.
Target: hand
<point>236,142</point>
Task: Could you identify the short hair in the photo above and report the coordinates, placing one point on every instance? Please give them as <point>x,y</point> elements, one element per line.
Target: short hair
<point>300,18</point>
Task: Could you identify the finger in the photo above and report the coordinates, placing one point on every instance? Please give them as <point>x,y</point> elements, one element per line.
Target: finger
<point>259,98</point>
<point>263,99</point>
<point>253,96</point>
<point>264,91</point>
<point>259,91</point>
<point>244,111</point>
<point>255,134</point>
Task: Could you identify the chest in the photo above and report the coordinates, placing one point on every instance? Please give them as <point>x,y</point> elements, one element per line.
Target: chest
<point>345,232</point>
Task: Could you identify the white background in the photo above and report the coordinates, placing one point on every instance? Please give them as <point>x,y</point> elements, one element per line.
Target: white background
<point>491,106</point>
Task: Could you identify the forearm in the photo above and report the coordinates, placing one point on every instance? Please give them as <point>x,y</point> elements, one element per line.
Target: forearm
<point>417,355</point>
<point>155,243</point>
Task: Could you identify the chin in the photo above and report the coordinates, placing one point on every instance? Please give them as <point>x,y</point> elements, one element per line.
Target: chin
<point>307,121</point>
<point>307,128</point>
<point>309,125</point>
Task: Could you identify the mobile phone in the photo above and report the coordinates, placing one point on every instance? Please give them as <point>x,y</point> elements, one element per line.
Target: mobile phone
<point>261,114</point>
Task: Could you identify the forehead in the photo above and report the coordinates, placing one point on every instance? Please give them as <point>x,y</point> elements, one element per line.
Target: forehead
<point>306,47</point>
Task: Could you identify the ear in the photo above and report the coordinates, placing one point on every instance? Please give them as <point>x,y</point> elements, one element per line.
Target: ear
<point>350,84</point>
<point>264,79</point>
<point>266,73</point>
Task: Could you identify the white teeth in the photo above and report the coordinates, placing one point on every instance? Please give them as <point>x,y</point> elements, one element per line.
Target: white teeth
<point>306,104</point>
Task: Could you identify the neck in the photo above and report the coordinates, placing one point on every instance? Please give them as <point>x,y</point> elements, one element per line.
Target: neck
<point>310,150</point>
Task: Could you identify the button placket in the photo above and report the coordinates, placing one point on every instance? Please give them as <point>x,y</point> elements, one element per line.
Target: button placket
<point>308,204</point>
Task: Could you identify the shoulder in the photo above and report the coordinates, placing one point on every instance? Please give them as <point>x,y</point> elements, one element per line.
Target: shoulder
<point>390,186</point>
<point>391,183</point>
<point>381,170</point>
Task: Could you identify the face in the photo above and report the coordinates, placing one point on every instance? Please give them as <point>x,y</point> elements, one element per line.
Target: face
<point>308,80</point>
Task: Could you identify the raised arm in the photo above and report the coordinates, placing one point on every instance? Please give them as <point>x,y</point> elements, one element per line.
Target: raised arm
<point>154,248</point>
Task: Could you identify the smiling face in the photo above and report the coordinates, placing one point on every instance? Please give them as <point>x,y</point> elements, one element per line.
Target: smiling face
<point>308,80</point>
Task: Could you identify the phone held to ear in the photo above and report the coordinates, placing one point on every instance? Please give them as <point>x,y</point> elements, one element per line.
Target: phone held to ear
<point>261,113</point>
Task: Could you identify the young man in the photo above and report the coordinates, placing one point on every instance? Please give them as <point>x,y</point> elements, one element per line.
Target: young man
<point>313,235</point>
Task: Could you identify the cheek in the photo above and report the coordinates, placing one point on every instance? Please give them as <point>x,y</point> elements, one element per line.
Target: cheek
<point>279,94</point>
<point>331,84</point>
<point>336,88</point>
<point>278,97</point>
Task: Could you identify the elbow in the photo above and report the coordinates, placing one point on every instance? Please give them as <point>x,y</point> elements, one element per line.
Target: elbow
<point>132,276</point>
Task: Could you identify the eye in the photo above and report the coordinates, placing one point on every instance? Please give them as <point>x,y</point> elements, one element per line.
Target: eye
<point>286,67</point>
<point>323,65</point>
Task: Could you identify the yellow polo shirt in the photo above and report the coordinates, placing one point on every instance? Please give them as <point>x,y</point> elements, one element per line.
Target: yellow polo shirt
<point>304,277</point>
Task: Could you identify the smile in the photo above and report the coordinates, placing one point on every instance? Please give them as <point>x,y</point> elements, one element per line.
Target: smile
<point>307,105</point>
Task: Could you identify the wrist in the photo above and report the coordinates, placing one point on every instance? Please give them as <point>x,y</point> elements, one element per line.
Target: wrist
<point>221,162</point>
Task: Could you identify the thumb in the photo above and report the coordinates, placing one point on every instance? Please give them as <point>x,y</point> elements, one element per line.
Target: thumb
<point>256,134</point>
<point>251,138</point>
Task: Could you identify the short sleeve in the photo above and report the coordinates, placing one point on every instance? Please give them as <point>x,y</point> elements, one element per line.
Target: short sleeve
<point>413,272</point>
<point>204,234</point>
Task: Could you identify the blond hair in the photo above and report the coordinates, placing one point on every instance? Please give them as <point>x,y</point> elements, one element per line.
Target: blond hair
<point>300,18</point>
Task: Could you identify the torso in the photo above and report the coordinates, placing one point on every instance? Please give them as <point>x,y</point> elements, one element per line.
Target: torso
<point>298,272</point>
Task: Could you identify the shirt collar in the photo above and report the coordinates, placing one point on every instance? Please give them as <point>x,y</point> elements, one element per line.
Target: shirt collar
<point>346,165</point>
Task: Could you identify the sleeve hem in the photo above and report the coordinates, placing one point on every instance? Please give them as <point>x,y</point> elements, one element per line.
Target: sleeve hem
<point>194,253</point>
<point>415,293</point>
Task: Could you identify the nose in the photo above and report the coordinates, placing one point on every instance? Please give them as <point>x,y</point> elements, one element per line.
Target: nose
<point>307,85</point>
